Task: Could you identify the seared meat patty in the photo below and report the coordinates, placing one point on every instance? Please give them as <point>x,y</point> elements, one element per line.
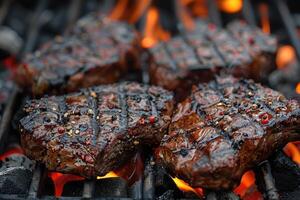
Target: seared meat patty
<point>225,128</point>
<point>96,130</point>
<point>97,52</point>
<point>197,55</point>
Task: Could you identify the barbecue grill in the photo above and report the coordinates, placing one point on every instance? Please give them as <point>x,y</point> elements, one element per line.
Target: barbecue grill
<point>38,21</point>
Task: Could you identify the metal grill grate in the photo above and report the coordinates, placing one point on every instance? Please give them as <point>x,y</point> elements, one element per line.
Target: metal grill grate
<point>144,188</point>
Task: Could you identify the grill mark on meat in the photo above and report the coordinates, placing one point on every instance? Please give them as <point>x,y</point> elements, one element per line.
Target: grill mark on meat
<point>169,55</point>
<point>225,128</point>
<point>196,56</point>
<point>96,130</point>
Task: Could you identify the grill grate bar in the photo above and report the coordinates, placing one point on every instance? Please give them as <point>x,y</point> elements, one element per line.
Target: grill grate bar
<point>88,189</point>
<point>289,24</point>
<point>148,184</point>
<point>4,9</point>
<point>214,13</point>
<point>35,185</point>
<point>34,26</point>
<point>248,13</point>
<point>73,14</point>
<point>136,189</point>
<point>271,190</point>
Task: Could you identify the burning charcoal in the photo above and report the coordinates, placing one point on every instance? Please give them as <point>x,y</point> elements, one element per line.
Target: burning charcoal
<point>168,195</point>
<point>15,174</point>
<point>112,187</point>
<point>285,172</point>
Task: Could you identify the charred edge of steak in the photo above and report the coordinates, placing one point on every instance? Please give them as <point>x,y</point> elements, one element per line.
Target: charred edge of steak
<point>97,52</point>
<point>209,49</point>
<point>96,130</point>
<point>225,128</point>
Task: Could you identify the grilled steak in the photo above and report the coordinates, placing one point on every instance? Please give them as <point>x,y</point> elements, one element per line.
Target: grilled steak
<point>225,128</point>
<point>197,55</point>
<point>96,130</point>
<point>92,55</point>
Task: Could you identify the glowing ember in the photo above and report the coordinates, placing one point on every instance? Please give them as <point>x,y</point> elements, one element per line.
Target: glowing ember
<point>264,13</point>
<point>184,15</point>
<point>298,88</point>
<point>10,63</point>
<point>183,186</point>
<point>59,180</point>
<point>285,56</point>
<point>16,150</point>
<point>230,6</point>
<point>153,31</point>
<point>293,152</point>
<point>108,175</point>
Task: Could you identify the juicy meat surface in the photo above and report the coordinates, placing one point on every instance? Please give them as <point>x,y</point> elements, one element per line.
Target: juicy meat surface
<point>225,128</point>
<point>97,52</point>
<point>197,55</point>
<point>96,130</point>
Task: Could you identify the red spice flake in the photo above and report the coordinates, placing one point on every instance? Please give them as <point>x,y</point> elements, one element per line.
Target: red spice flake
<point>88,159</point>
<point>61,130</point>
<point>209,117</point>
<point>265,118</point>
<point>152,119</point>
<point>251,40</point>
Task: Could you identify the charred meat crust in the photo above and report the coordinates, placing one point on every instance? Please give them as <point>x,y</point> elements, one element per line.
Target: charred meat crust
<point>97,52</point>
<point>197,55</point>
<point>94,131</point>
<point>225,128</point>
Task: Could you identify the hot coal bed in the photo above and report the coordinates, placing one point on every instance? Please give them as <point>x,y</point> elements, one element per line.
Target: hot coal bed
<point>27,24</point>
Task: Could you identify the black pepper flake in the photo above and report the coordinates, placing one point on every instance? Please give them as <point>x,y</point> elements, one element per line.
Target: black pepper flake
<point>47,119</point>
<point>83,127</point>
<point>183,152</point>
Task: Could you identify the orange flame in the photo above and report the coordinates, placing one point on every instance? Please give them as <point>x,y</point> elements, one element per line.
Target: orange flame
<point>59,180</point>
<point>138,10</point>
<point>298,88</point>
<point>247,181</point>
<point>183,186</point>
<point>153,31</point>
<point>230,6</point>
<point>293,152</point>
<point>119,10</point>
<point>184,15</point>
<point>108,175</point>
<point>285,56</point>
<point>265,22</point>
